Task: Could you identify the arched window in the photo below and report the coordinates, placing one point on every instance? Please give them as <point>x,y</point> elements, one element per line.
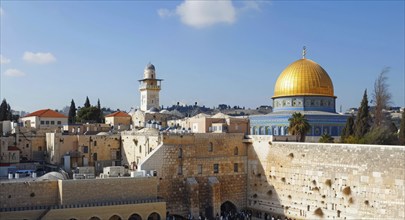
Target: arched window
<point>211,147</point>
<point>236,151</point>
<point>135,217</point>
<point>115,217</point>
<point>180,152</point>
<point>154,216</point>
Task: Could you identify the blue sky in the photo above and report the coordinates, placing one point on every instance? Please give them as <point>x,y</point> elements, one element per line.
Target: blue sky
<point>206,51</point>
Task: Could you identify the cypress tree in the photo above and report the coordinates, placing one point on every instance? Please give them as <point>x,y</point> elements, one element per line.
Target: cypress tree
<point>9,114</point>
<point>362,125</point>
<point>100,112</point>
<point>348,129</point>
<point>3,110</point>
<point>402,130</point>
<point>72,113</point>
<point>87,103</point>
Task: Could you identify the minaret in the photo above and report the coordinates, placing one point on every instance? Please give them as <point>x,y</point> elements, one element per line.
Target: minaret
<point>149,88</point>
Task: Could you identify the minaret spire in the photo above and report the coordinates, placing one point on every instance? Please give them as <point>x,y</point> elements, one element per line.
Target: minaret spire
<point>304,52</point>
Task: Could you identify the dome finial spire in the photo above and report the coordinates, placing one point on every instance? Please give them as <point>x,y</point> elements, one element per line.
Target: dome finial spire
<point>304,52</point>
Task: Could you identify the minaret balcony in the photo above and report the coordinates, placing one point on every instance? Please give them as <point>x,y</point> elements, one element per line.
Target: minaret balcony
<point>154,87</point>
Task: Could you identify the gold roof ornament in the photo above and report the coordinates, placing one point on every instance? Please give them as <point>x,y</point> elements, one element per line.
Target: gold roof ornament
<point>303,77</point>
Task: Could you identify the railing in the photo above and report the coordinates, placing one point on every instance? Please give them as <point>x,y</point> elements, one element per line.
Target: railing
<point>70,206</point>
<point>149,87</point>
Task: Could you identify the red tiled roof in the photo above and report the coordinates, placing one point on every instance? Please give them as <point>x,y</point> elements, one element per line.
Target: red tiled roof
<point>13,148</point>
<point>118,114</point>
<point>46,113</point>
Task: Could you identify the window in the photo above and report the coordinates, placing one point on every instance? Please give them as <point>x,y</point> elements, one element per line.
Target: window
<point>140,148</point>
<point>95,143</point>
<point>52,122</point>
<point>235,167</point>
<point>235,151</point>
<point>27,145</point>
<point>211,147</point>
<point>199,168</point>
<point>180,170</point>
<point>42,122</point>
<point>47,122</point>
<point>180,152</point>
<point>85,149</point>
<point>216,168</point>
<point>59,122</point>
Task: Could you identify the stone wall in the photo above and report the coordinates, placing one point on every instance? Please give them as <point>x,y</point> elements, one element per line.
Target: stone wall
<point>185,165</point>
<point>307,181</point>
<point>27,194</point>
<point>109,189</point>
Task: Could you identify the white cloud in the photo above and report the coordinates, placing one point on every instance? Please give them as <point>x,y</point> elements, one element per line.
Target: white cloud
<point>14,73</point>
<point>163,13</point>
<point>205,13</point>
<point>4,60</point>
<point>201,14</point>
<point>38,58</point>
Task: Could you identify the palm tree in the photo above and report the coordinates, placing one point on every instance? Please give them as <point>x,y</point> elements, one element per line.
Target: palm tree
<point>326,138</point>
<point>298,126</point>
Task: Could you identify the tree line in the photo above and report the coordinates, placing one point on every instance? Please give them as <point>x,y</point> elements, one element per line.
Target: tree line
<point>88,113</point>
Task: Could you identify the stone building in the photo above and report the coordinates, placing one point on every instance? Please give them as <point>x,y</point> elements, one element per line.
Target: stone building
<point>44,118</point>
<point>305,87</point>
<point>218,123</point>
<point>137,144</point>
<point>71,151</point>
<point>118,120</point>
<point>200,173</point>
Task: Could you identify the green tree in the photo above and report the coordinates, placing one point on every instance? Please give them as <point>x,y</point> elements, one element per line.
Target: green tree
<point>401,134</point>
<point>362,124</point>
<point>100,116</point>
<point>298,126</point>
<point>348,129</point>
<point>72,112</point>
<point>90,114</point>
<point>326,138</point>
<point>3,110</point>
<point>87,103</point>
<point>9,115</point>
<point>380,135</point>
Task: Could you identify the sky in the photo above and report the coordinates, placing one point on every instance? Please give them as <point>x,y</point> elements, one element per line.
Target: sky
<point>209,52</point>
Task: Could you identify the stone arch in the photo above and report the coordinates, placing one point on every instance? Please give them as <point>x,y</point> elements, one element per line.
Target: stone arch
<point>115,217</point>
<point>154,216</point>
<point>228,207</point>
<point>94,218</point>
<point>135,216</point>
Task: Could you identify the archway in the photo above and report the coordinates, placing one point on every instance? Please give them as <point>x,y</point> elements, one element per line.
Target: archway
<point>135,217</point>
<point>228,209</point>
<point>94,218</point>
<point>115,217</point>
<point>154,216</point>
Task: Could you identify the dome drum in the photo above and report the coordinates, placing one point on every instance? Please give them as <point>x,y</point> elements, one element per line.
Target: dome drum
<point>304,103</point>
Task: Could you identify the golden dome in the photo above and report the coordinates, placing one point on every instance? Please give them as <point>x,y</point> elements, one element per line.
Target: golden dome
<point>303,77</point>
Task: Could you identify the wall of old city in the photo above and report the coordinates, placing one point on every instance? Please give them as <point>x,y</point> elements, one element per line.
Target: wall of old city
<point>28,194</point>
<point>109,189</point>
<point>307,180</point>
<point>188,180</point>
